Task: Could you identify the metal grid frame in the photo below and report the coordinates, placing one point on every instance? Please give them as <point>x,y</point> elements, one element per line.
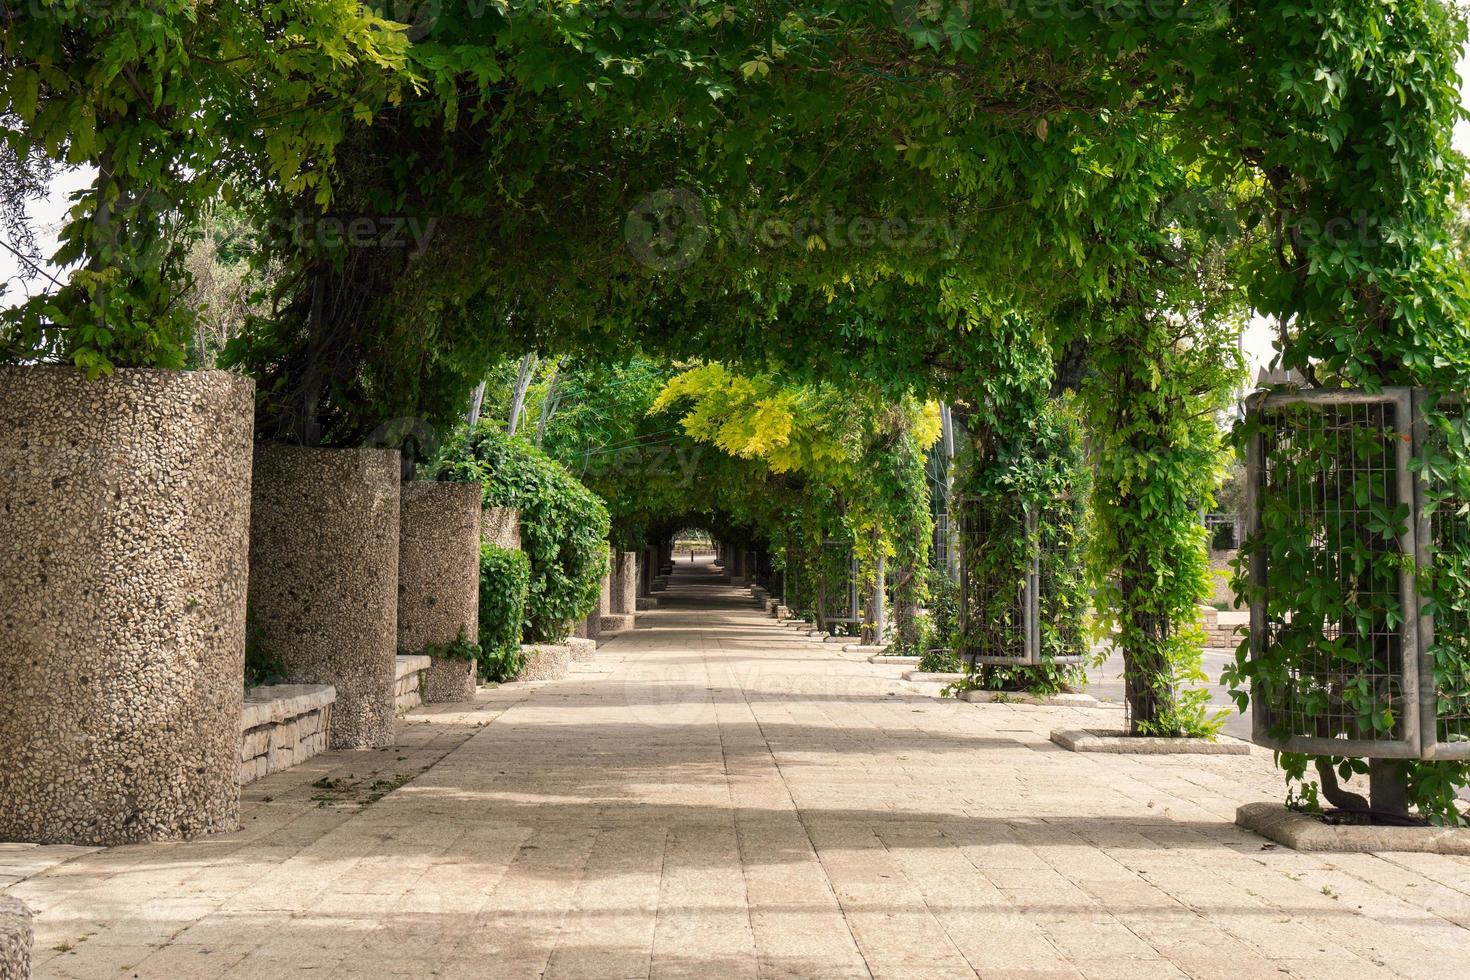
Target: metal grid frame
<point>939,556</point>
<point>1215,521</point>
<point>1023,646</point>
<point>838,602</point>
<point>1365,440</point>
<point>1444,717</point>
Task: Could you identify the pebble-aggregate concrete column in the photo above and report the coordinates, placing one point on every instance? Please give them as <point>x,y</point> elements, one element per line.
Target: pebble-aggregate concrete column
<point>324,578</point>
<point>124,543</point>
<point>439,582</point>
<point>625,583</point>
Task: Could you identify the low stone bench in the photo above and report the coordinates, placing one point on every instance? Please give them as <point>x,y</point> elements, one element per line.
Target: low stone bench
<point>15,939</point>
<point>406,681</point>
<point>544,662</point>
<point>283,725</point>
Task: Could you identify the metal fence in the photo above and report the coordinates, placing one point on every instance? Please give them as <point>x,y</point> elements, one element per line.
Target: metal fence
<point>1019,617</point>
<point>1335,484</point>
<point>1442,552</point>
<point>837,585</point>
<point>940,552</point>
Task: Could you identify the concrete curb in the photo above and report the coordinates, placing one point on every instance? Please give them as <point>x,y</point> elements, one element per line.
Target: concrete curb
<point>1307,832</point>
<point>1033,700</point>
<point>1114,742</point>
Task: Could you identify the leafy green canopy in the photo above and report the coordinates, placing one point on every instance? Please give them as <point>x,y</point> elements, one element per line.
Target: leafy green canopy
<point>564,526</point>
<point>173,103</point>
<point>654,478</point>
<point>865,453</point>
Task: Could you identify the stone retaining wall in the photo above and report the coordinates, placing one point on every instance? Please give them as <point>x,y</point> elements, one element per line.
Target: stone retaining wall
<point>123,563</point>
<point>16,938</point>
<point>283,725</point>
<point>439,581</point>
<point>408,682</point>
<point>324,578</point>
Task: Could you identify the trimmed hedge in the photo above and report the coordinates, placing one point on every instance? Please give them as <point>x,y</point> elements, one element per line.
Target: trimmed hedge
<point>564,526</point>
<point>505,578</point>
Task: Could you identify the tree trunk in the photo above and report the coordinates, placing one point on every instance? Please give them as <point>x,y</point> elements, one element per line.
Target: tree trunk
<point>477,402</point>
<point>548,406</point>
<point>906,623</point>
<point>518,401</point>
<point>1148,677</point>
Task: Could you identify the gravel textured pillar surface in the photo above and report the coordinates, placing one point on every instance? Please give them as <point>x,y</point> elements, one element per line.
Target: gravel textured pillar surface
<point>625,583</point>
<point>646,572</point>
<point>16,938</point>
<point>124,536</point>
<point>501,526</point>
<point>439,582</point>
<point>324,578</point>
<point>605,593</point>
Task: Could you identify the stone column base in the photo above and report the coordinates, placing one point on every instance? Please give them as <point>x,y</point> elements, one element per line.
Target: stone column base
<point>544,662</point>
<point>448,680</point>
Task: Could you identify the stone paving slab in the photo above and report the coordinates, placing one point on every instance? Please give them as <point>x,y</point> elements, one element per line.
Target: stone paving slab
<point>724,798</point>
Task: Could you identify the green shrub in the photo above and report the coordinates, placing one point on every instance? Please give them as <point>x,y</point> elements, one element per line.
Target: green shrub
<point>564,526</point>
<point>505,578</point>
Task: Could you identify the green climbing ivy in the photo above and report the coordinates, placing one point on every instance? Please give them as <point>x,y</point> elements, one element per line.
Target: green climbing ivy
<point>564,526</point>
<point>505,580</point>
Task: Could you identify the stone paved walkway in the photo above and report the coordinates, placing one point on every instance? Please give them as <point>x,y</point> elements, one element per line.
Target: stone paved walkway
<point>716,797</point>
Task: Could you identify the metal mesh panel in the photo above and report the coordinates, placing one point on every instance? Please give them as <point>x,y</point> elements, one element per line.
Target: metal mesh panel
<point>1222,532</point>
<point>837,589</point>
<point>1021,613</point>
<point>1061,611</point>
<point>1330,485</point>
<point>1444,624</point>
<point>995,610</point>
<point>939,554</point>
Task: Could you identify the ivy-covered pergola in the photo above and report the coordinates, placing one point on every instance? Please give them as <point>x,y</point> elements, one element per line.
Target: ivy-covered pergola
<point>1008,207</point>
